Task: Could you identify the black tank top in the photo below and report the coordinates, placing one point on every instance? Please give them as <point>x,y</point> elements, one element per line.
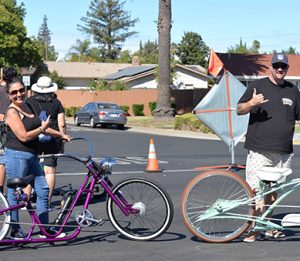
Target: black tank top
<point>14,143</point>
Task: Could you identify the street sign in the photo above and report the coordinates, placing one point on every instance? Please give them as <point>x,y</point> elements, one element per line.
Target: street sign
<point>26,80</point>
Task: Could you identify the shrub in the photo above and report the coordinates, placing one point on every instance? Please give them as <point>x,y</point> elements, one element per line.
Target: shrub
<point>103,85</point>
<point>57,79</point>
<point>118,86</point>
<point>125,108</point>
<point>138,109</point>
<point>190,122</point>
<point>70,112</point>
<point>95,85</point>
<point>152,106</point>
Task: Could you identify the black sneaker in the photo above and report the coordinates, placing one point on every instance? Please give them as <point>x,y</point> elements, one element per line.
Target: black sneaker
<point>18,234</point>
<point>53,231</point>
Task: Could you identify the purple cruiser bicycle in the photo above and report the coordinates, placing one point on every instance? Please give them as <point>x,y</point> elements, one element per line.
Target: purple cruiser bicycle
<point>138,208</point>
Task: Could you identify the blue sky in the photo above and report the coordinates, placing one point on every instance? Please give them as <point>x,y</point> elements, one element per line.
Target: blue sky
<point>221,24</point>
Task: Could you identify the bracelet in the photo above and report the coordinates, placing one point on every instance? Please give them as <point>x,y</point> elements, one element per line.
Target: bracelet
<point>42,131</point>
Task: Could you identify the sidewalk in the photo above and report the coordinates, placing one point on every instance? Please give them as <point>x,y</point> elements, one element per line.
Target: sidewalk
<point>173,133</point>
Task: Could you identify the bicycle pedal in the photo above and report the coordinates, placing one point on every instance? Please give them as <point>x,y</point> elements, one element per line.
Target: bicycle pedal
<point>100,221</point>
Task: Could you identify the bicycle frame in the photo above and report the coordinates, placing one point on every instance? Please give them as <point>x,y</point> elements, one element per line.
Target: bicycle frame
<point>221,208</point>
<point>98,176</point>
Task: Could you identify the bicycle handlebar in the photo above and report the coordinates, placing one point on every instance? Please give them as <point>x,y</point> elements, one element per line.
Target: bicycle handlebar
<point>80,159</point>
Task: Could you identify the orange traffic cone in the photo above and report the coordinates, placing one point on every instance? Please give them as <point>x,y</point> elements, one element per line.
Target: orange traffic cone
<point>152,160</point>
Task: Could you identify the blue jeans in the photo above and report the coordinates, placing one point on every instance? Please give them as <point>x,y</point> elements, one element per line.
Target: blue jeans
<point>22,164</point>
<point>2,158</point>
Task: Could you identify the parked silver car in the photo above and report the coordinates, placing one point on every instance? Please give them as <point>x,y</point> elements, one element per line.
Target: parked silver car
<point>94,113</point>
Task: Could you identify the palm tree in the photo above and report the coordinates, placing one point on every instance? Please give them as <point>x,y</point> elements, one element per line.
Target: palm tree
<point>80,51</point>
<point>163,107</point>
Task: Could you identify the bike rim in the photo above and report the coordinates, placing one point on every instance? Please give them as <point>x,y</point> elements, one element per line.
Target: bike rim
<point>200,199</point>
<point>145,226</point>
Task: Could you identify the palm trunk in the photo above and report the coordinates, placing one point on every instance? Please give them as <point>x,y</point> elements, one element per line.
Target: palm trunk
<point>163,107</point>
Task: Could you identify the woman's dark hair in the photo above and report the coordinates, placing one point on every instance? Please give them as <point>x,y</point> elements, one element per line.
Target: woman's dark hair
<point>9,73</point>
<point>13,80</point>
<point>44,97</point>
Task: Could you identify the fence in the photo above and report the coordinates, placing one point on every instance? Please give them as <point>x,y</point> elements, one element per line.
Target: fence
<point>185,100</point>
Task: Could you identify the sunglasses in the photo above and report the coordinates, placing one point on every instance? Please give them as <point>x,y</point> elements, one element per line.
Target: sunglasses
<point>283,66</point>
<point>15,92</point>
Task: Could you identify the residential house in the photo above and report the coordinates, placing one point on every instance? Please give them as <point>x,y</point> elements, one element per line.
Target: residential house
<point>249,67</point>
<point>144,76</point>
<point>77,75</point>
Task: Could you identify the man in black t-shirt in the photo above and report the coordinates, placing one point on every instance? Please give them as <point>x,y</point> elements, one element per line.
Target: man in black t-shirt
<point>274,106</point>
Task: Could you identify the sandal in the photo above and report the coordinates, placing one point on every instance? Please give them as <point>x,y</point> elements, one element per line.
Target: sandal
<point>251,237</point>
<point>274,234</point>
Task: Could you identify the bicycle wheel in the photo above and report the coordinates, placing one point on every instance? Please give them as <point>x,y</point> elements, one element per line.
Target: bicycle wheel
<point>4,218</point>
<point>209,194</point>
<point>154,205</point>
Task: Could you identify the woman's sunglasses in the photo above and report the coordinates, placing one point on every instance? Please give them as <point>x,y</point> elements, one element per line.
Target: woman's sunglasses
<point>15,92</point>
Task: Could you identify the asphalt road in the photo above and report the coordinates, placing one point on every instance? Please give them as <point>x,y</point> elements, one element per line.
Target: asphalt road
<point>178,157</point>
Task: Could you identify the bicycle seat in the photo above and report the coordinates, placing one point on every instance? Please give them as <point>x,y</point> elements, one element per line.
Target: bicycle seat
<point>19,182</point>
<point>273,174</point>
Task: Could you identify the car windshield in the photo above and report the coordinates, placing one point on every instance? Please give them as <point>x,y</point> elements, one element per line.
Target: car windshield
<point>108,106</point>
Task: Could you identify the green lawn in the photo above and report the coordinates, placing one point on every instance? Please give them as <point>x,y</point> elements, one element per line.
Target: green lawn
<point>150,121</point>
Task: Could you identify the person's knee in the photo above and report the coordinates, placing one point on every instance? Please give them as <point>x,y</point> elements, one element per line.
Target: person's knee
<point>49,170</point>
<point>42,192</point>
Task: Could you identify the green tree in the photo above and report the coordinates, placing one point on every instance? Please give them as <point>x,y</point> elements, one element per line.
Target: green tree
<point>108,23</point>
<point>242,48</point>
<point>82,52</point>
<point>16,49</point>
<point>44,37</point>
<point>125,57</point>
<point>57,79</point>
<point>192,49</point>
<point>290,50</point>
<point>148,52</point>
<point>163,107</point>
<point>255,47</point>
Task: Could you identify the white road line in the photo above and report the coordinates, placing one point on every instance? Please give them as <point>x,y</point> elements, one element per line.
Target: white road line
<point>130,172</point>
<point>131,160</point>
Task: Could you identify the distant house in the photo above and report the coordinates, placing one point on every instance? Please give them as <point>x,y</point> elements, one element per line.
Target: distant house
<point>143,76</point>
<point>249,67</point>
<point>78,75</point>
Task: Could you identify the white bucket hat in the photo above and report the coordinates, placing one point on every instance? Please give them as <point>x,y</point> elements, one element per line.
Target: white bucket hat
<point>44,85</point>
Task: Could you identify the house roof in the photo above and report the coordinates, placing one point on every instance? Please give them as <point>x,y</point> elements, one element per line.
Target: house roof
<point>110,71</point>
<point>256,64</point>
<point>84,69</point>
<point>129,72</point>
<point>194,68</point>
<point>133,73</point>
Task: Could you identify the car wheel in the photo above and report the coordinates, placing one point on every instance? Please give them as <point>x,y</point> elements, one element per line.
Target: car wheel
<point>103,125</point>
<point>76,121</point>
<point>120,126</point>
<point>92,123</point>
